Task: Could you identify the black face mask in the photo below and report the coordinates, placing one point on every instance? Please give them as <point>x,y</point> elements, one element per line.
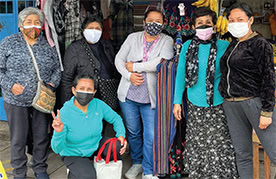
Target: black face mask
<point>84,98</point>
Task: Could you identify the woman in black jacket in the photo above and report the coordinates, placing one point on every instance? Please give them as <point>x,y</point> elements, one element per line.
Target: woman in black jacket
<point>248,85</point>
<point>89,55</point>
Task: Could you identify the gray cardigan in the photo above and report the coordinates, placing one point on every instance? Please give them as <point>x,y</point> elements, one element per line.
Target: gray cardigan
<point>132,51</point>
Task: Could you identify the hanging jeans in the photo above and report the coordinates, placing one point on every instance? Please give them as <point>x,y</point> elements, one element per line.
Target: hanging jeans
<point>139,132</point>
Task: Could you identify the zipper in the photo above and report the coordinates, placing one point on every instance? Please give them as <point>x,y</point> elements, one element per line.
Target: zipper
<point>228,66</point>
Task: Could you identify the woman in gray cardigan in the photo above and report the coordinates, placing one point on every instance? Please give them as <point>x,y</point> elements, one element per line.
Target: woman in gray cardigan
<point>136,61</point>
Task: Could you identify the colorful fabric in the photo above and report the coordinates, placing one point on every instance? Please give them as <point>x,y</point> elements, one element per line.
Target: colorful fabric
<point>174,22</point>
<point>164,131</point>
<point>208,150</point>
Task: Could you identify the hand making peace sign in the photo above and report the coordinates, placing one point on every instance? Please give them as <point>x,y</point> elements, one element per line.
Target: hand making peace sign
<point>57,124</point>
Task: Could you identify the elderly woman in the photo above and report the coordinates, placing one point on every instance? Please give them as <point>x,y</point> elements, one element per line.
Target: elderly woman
<point>18,80</point>
<point>208,150</point>
<point>137,61</point>
<point>78,128</point>
<point>248,85</point>
<point>90,55</point>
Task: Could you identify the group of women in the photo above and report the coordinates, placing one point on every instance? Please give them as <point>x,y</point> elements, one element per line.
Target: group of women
<point>230,92</point>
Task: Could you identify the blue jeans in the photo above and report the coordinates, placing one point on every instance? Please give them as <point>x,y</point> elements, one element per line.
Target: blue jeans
<point>141,147</point>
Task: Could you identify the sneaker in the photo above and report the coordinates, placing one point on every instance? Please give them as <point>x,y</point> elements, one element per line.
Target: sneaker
<point>134,171</point>
<point>150,176</point>
<point>30,162</point>
<point>41,176</point>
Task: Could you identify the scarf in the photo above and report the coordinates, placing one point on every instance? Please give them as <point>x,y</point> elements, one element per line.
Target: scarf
<point>191,76</point>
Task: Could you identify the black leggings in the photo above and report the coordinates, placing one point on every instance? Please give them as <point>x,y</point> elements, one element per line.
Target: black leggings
<point>82,167</point>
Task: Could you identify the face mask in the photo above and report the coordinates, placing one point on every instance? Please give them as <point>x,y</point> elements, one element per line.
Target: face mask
<point>204,32</point>
<point>238,29</point>
<point>153,28</point>
<point>32,31</point>
<point>92,35</point>
<point>84,97</point>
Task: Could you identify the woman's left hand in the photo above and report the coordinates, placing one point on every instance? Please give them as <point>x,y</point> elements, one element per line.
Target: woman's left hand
<point>265,122</point>
<point>129,66</point>
<point>123,144</point>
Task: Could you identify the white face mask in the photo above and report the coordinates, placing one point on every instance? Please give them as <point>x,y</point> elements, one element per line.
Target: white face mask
<point>92,35</point>
<point>238,29</point>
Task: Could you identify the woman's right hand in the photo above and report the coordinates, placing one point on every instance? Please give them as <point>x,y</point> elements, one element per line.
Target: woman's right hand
<point>137,79</point>
<point>177,111</point>
<point>17,89</point>
<point>57,124</point>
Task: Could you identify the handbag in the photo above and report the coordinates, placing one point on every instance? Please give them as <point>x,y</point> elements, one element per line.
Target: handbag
<point>105,168</point>
<point>106,87</point>
<point>45,98</point>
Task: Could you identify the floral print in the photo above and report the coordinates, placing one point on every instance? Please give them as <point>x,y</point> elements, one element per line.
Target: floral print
<point>208,153</point>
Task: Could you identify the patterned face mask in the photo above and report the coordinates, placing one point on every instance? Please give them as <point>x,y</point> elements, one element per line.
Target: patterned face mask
<point>32,31</point>
<point>153,28</point>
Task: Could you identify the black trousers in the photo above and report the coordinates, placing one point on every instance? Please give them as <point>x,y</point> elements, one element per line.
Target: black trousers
<point>18,121</point>
<point>82,167</point>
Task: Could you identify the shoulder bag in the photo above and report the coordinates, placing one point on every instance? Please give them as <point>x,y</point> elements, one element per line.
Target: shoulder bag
<point>107,87</point>
<point>45,98</point>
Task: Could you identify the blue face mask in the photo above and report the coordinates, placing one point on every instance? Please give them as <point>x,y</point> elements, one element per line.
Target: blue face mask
<point>84,97</point>
<point>153,28</point>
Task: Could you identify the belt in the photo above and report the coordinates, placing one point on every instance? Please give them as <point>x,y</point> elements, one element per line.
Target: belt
<point>238,98</point>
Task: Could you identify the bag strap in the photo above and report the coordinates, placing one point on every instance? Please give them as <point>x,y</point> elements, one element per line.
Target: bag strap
<point>112,145</point>
<point>34,61</point>
<point>101,150</point>
<point>114,150</point>
<point>91,57</point>
<point>109,152</point>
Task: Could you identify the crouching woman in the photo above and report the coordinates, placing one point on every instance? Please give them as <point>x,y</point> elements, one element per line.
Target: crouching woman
<point>78,129</point>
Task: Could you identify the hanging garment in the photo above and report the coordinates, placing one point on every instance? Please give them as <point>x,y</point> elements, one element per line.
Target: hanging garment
<point>59,13</point>
<point>165,123</point>
<point>174,22</point>
<point>176,155</point>
<point>51,31</point>
<point>46,26</point>
<point>105,7</point>
<point>72,22</point>
<point>122,21</point>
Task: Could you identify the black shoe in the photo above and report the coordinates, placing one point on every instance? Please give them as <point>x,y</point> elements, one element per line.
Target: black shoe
<point>42,175</point>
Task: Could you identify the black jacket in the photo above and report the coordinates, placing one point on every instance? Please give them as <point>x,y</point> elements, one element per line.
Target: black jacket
<point>250,72</point>
<point>77,62</point>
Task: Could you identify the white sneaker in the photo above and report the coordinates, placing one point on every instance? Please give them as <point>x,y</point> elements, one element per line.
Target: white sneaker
<point>150,176</point>
<point>134,171</point>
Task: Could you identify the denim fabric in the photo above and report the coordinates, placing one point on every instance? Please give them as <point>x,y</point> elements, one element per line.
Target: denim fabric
<point>141,144</point>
